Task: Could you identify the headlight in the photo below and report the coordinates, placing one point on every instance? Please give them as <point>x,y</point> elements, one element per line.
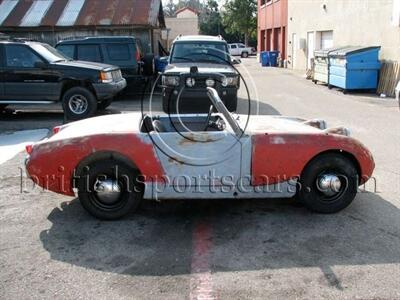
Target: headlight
<point>210,82</point>
<point>190,82</point>
<point>170,80</point>
<point>106,77</point>
<point>230,81</point>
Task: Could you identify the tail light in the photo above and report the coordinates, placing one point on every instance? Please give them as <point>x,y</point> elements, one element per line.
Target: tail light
<point>137,55</point>
<point>29,149</point>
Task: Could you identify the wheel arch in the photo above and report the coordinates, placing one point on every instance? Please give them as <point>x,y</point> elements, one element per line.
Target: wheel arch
<point>344,153</point>
<point>98,156</point>
<point>68,83</point>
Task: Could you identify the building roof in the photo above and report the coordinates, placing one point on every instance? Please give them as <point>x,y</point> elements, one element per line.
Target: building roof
<point>186,8</point>
<point>67,13</point>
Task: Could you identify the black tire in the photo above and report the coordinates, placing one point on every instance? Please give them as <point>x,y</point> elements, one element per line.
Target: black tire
<point>149,67</point>
<point>3,107</point>
<point>130,189</point>
<point>231,104</point>
<point>84,95</point>
<point>311,194</point>
<point>245,54</point>
<point>329,86</point>
<point>104,104</point>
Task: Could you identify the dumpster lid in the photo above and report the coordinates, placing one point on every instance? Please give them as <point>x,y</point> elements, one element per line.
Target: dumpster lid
<point>326,52</point>
<point>352,50</point>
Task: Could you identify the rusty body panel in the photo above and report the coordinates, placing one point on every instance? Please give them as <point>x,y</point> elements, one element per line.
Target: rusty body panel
<point>278,157</point>
<point>52,164</point>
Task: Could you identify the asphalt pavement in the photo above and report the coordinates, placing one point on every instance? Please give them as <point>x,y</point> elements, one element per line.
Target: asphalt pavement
<point>254,249</point>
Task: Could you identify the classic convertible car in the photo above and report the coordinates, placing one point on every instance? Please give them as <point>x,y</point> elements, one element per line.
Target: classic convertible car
<point>113,162</point>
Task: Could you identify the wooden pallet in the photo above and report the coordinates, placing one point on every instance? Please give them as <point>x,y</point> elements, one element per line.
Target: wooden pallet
<point>389,76</point>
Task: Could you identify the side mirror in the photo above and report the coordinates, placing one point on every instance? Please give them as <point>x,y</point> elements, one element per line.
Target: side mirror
<point>40,65</point>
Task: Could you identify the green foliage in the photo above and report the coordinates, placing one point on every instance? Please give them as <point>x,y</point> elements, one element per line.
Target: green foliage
<point>240,17</point>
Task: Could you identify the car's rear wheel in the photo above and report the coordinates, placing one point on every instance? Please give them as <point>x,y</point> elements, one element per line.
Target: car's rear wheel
<point>109,189</point>
<point>328,184</point>
<point>79,103</point>
<point>245,54</point>
<point>104,104</point>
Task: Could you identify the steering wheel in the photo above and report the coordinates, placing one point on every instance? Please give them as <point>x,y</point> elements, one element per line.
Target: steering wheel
<point>207,124</point>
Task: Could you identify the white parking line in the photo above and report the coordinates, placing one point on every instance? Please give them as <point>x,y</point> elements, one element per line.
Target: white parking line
<point>12,144</point>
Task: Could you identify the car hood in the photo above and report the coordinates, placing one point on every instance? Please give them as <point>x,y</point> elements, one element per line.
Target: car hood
<point>202,67</point>
<point>86,64</point>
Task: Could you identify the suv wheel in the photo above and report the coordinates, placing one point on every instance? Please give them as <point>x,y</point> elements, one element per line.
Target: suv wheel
<point>104,104</point>
<point>79,103</point>
<point>245,54</point>
<point>149,67</point>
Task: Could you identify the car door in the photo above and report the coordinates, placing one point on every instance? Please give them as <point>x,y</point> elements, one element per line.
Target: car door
<point>199,165</point>
<point>23,79</point>
<point>234,49</point>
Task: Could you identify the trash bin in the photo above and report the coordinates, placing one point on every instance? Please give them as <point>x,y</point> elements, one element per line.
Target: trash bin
<point>273,58</point>
<point>354,68</point>
<point>161,63</point>
<point>321,64</point>
<point>264,58</point>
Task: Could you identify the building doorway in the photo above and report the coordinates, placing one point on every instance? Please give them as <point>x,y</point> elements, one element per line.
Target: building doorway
<point>310,48</point>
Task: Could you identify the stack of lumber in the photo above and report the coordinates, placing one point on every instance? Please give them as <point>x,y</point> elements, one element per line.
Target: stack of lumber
<point>388,78</point>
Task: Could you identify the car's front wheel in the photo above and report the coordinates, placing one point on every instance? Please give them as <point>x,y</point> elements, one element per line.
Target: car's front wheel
<point>328,184</point>
<point>79,103</point>
<point>109,189</point>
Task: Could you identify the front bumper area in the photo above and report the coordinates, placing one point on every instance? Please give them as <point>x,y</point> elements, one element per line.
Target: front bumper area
<point>109,90</point>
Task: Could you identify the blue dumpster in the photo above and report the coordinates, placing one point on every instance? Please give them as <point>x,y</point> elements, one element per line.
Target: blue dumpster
<point>161,63</point>
<point>354,68</point>
<point>264,56</point>
<point>273,58</point>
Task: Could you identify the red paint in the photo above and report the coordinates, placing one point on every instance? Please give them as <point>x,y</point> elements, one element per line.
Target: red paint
<point>272,24</point>
<point>201,286</point>
<point>51,164</point>
<point>279,157</point>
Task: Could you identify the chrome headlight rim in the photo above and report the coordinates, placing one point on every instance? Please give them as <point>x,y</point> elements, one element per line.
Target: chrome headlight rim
<point>210,82</point>
<point>229,81</point>
<point>190,82</point>
<point>170,80</point>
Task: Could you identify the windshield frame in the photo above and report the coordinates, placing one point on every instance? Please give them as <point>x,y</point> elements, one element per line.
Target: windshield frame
<point>220,60</point>
<point>49,53</point>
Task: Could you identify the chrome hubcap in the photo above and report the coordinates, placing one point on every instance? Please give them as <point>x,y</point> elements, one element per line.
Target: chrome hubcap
<point>329,184</point>
<point>108,191</point>
<point>78,104</point>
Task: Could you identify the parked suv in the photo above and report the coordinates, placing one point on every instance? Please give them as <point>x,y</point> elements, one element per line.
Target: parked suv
<point>122,51</point>
<point>195,63</point>
<point>36,73</point>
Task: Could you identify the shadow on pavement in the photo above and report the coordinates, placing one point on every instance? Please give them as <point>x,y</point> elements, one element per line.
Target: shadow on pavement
<point>246,235</point>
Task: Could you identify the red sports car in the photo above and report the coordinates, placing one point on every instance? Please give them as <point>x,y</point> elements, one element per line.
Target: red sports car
<point>113,162</point>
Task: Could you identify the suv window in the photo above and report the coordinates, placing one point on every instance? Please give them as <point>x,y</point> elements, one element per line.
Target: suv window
<point>18,56</point>
<point>233,46</point>
<point>67,50</point>
<point>200,51</point>
<point>242,46</point>
<point>118,52</point>
<point>89,53</point>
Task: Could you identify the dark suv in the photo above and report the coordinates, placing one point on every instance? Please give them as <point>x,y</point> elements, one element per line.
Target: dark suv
<point>36,73</point>
<point>122,51</point>
<point>195,63</point>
